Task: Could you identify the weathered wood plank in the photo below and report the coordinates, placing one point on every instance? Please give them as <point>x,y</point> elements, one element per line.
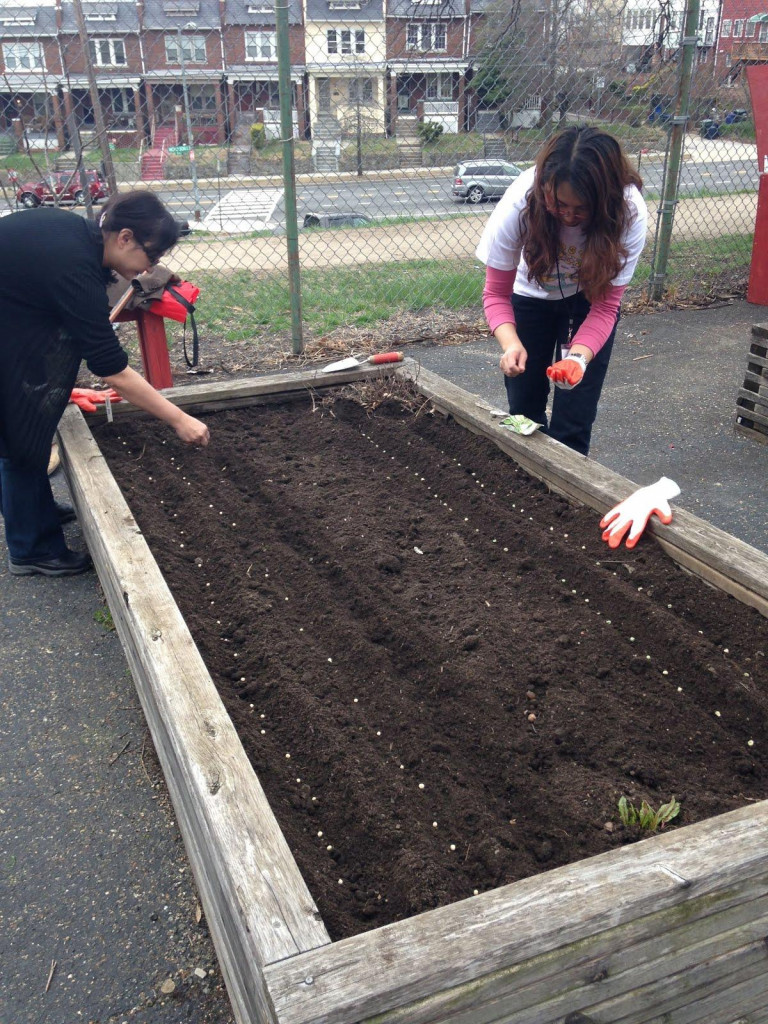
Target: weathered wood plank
<point>753,435</point>
<point>599,970</point>
<point>214,396</point>
<point>465,943</point>
<point>761,383</point>
<point>256,902</point>
<point>738,568</point>
<point>749,404</point>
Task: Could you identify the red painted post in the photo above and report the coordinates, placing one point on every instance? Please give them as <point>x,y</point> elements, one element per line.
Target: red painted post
<point>153,345</point>
<point>757,289</point>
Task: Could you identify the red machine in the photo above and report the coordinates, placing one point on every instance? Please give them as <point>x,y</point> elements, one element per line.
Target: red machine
<point>757,289</point>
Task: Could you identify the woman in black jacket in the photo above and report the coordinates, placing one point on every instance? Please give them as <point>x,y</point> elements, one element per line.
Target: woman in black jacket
<point>54,268</point>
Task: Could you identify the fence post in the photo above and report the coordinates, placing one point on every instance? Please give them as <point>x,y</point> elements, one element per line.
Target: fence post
<point>666,215</point>
<point>289,172</point>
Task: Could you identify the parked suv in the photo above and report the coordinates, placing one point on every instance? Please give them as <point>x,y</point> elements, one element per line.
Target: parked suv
<point>61,187</point>
<point>476,180</point>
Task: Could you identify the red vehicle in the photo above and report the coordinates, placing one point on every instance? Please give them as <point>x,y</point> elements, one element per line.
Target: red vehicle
<point>59,187</point>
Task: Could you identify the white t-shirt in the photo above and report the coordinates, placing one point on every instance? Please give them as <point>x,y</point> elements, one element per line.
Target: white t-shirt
<point>501,244</point>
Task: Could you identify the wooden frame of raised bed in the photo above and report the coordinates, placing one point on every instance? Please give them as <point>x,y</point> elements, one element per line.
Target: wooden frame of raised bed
<point>673,928</point>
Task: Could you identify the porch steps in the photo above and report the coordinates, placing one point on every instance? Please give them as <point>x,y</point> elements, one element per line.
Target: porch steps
<point>408,141</point>
<point>153,165</point>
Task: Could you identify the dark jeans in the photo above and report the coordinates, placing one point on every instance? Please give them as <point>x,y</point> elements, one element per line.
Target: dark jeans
<point>543,327</point>
<point>32,528</point>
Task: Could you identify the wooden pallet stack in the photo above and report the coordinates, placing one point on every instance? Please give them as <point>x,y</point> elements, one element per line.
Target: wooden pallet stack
<point>752,400</point>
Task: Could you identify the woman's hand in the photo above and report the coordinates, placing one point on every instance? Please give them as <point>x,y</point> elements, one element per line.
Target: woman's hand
<point>513,360</point>
<point>136,390</point>
<point>192,431</point>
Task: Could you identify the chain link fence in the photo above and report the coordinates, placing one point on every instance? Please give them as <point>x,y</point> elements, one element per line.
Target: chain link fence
<point>409,117</point>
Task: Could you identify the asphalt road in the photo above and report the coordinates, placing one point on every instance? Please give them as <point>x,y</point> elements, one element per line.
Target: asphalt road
<point>431,196</point>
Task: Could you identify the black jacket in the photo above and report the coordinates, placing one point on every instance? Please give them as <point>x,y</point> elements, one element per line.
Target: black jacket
<point>53,314</point>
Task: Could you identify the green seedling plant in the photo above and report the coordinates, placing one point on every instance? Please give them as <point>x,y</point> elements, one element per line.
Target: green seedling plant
<point>103,616</point>
<point>645,816</point>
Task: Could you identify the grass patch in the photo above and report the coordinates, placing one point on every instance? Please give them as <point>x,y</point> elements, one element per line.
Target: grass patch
<point>695,269</point>
<point>238,306</point>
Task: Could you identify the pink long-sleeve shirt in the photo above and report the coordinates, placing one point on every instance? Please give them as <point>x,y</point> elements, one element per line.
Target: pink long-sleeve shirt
<point>593,333</point>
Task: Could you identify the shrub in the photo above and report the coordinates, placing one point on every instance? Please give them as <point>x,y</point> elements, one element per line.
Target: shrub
<point>258,136</point>
<point>429,131</point>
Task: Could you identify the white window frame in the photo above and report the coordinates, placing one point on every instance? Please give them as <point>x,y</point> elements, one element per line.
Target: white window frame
<point>115,49</point>
<point>20,56</point>
<point>193,47</point>
<point>261,46</point>
<point>439,86</point>
<point>426,36</point>
<point>365,87</point>
<point>332,40</point>
<point>749,30</point>
<point>763,36</point>
<point>738,28</point>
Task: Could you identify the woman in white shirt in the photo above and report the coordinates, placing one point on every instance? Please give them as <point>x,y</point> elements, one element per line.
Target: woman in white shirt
<point>560,249</point>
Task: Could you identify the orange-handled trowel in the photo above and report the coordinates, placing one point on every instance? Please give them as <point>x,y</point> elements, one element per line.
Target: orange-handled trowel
<point>352,363</point>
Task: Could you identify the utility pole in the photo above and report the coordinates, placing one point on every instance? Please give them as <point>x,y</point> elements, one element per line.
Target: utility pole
<point>676,142</point>
<point>98,113</point>
<point>289,172</point>
<point>190,138</point>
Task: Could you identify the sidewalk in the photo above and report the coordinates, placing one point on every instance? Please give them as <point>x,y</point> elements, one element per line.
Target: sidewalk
<point>93,874</point>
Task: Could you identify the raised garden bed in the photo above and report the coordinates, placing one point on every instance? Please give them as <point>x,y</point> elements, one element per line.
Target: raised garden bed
<point>436,600</point>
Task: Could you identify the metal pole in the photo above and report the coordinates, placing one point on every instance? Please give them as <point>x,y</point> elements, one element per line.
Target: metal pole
<point>676,142</point>
<point>289,173</point>
<point>190,137</point>
<point>98,114</point>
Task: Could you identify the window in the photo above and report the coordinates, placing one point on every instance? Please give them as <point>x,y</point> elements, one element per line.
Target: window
<point>345,40</point>
<point>261,46</point>
<point>763,36</point>
<point>23,56</point>
<point>749,32</point>
<point>192,49</point>
<point>641,20</point>
<point>439,87</point>
<point>202,99</point>
<point>726,30</point>
<point>361,90</point>
<point>426,35</point>
<point>107,53</point>
<point>738,29</point>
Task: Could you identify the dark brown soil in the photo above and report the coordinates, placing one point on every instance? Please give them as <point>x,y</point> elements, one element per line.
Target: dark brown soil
<point>465,678</point>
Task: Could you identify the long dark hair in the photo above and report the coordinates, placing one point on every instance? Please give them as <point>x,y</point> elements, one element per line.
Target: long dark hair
<point>595,166</point>
<point>153,225</point>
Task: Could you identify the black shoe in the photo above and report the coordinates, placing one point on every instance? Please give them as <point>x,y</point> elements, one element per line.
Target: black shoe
<point>70,564</point>
<point>65,512</point>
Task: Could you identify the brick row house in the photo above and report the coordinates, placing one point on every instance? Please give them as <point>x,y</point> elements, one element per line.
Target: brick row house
<point>743,36</point>
<point>358,65</point>
<point>359,62</point>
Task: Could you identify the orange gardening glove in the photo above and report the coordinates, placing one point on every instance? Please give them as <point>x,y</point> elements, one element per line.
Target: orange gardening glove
<point>630,517</point>
<point>567,373</point>
<point>87,399</point>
